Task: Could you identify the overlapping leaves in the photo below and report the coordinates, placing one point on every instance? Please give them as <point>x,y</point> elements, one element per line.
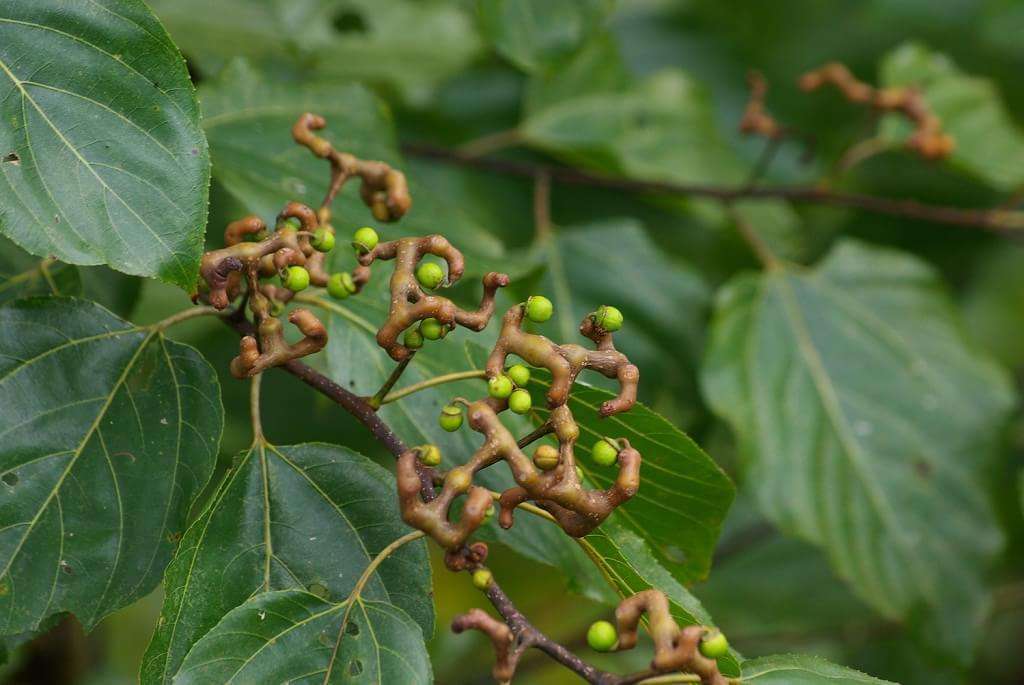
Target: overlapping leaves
<point>101,156</point>
<point>108,433</point>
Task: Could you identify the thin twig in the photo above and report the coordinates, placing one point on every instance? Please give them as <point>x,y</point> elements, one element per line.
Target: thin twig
<point>994,220</point>
<point>432,382</point>
<point>750,236</point>
<point>381,394</point>
<point>491,143</point>
<point>184,315</point>
<point>254,408</point>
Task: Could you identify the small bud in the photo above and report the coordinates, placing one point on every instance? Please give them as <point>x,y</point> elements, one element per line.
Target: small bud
<point>602,636</point>
<point>545,457</point>
<point>450,418</point>
<point>290,222</point>
<point>489,514</point>
<point>604,453</point>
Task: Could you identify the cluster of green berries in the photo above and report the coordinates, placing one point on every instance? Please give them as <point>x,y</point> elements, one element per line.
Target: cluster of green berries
<point>429,329</point>
<point>511,386</point>
<point>296,278</point>
<point>340,285</point>
<point>602,637</point>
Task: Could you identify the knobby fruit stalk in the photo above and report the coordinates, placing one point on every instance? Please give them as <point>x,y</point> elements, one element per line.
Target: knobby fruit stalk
<point>295,252</point>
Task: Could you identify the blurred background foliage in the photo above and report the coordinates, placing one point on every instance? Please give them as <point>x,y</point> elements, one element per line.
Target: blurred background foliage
<point>646,89</point>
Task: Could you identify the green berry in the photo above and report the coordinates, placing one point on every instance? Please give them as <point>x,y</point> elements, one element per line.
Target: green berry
<point>365,239</point>
<point>450,418</point>
<point>431,329</point>
<point>579,474</point>
<point>430,455</point>
<point>607,317</point>
<point>520,401</point>
<point>323,240</point>
<point>500,387</point>
<point>413,339</point>
<point>489,514</point>
<point>340,285</point>
<point>714,645</point>
<point>602,636</point>
<point>291,222</point>
<point>545,457</point>
<point>482,578</point>
<point>539,308</point>
<point>429,274</point>
<point>604,453</point>
<point>519,373</point>
<point>295,278</point>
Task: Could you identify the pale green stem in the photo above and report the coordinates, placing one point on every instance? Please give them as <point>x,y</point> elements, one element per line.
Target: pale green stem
<point>431,382</point>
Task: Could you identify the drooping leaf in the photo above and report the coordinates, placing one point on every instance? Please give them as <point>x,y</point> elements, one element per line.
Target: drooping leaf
<point>683,496</point>
<point>303,517</point>
<point>535,33</point>
<point>405,47</point>
<point>865,420</point>
<point>249,120</point>
<point>22,275</point>
<point>109,432</point>
<point>796,669</point>
<point>101,155</point>
<point>289,636</point>
<point>988,143</point>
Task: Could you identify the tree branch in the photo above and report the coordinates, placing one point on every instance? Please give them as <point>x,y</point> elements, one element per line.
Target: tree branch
<point>998,221</point>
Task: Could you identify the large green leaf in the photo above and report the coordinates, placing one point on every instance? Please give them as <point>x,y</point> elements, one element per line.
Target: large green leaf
<point>306,517</point>
<point>101,155</point>
<point>866,421</point>
<point>683,497</point>
<point>534,33</point>
<point>22,275</point>
<point>988,143</point>
<point>289,637</point>
<point>795,669</point>
<point>248,121</point>
<point>406,47</point>
<point>109,432</point>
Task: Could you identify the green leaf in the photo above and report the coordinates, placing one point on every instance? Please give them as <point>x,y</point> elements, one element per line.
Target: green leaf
<point>406,47</point>
<point>307,517</point>
<point>101,155</point>
<point>796,669</point>
<point>109,433</point>
<point>289,636</point>
<point>683,497</point>
<point>249,120</point>
<point>866,422</point>
<point>988,143</point>
<point>535,33</point>
<point>664,302</point>
<point>22,275</point>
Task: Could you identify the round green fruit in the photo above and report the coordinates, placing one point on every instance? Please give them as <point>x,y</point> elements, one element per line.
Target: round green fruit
<point>430,275</point>
<point>365,239</point>
<point>323,240</point>
<point>432,329</point>
<point>714,645</point>
<point>295,278</point>
<point>482,578</point>
<point>607,317</point>
<point>430,455</point>
<point>545,457</point>
<point>519,373</point>
<point>539,308</point>
<point>500,387</point>
<point>602,636</point>
<point>450,418</point>
<point>413,339</point>
<point>604,453</point>
<point>291,222</point>
<point>340,285</point>
<point>520,401</point>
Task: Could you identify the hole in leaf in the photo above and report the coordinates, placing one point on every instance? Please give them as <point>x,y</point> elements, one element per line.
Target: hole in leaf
<point>355,667</point>
<point>352,628</point>
<point>10,479</point>
<point>348,21</point>
<point>66,567</point>
<point>674,554</point>
<point>12,158</point>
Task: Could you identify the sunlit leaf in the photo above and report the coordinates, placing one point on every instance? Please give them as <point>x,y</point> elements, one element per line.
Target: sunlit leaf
<point>109,433</point>
<point>101,156</point>
<point>805,670</point>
